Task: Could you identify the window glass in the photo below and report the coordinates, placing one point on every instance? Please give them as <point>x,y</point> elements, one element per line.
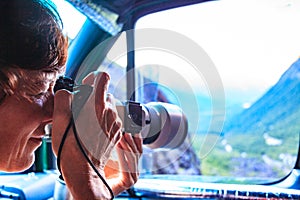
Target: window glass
<point>253,46</point>
<point>72,18</point>
<point>113,62</point>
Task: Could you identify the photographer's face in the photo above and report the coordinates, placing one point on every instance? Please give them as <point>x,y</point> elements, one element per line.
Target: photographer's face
<point>23,118</point>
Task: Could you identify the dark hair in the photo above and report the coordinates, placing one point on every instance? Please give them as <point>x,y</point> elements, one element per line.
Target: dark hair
<point>31,37</point>
<point>31,34</point>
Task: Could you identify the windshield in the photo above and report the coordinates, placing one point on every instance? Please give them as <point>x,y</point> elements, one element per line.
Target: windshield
<point>254,48</point>
<point>232,67</point>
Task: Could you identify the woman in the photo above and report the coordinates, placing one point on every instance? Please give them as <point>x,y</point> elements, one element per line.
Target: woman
<point>33,52</point>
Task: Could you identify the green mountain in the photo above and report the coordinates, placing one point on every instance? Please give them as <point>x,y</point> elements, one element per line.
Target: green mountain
<point>277,112</point>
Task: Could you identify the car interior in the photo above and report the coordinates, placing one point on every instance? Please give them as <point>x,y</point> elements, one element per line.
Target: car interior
<point>219,80</point>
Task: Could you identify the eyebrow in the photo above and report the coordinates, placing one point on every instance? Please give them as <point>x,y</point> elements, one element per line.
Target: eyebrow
<point>45,77</point>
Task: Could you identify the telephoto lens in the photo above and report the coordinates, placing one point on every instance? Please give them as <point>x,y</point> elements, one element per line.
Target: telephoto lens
<point>162,125</point>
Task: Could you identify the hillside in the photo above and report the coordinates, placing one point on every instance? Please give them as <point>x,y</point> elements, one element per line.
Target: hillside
<point>277,111</point>
<point>264,138</point>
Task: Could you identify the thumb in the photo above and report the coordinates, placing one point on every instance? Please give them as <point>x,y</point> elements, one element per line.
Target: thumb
<point>61,117</point>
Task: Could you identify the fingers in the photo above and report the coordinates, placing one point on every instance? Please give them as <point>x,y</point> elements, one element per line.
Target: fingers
<point>138,140</point>
<point>116,128</point>
<point>110,100</point>
<point>111,116</point>
<point>62,103</point>
<point>61,116</point>
<point>104,103</point>
<point>90,79</point>
<point>101,87</point>
<point>128,154</point>
<point>129,151</point>
<point>111,125</point>
<point>132,143</point>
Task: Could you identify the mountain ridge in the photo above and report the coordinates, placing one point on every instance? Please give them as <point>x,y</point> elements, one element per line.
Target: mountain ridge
<point>279,105</point>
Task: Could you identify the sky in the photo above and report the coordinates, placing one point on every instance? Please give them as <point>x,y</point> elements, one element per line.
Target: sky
<point>251,42</point>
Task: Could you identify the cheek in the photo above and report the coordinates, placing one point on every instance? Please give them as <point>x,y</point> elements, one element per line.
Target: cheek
<point>23,119</point>
<point>17,155</point>
<point>40,110</point>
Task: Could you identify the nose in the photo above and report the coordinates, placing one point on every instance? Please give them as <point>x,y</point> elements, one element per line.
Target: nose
<point>48,108</point>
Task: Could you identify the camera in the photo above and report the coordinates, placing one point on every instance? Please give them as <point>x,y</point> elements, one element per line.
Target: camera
<point>162,125</point>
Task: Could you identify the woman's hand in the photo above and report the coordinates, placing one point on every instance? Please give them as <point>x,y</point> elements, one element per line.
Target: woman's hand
<point>123,174</point>
<point>99,130</point>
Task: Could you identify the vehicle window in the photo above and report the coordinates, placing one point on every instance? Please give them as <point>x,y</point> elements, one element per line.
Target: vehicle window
<point>72,18</point>
<point>114,63</point>
<point>241,99</point>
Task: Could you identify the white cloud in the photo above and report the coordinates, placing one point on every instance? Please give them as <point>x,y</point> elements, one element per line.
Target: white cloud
<point>251,42</point>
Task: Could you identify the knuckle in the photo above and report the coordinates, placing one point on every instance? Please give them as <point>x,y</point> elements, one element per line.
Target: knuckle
<point>135,179</point>
<point>111,112</point>
<point>119,123</point>
<point>130,183</point>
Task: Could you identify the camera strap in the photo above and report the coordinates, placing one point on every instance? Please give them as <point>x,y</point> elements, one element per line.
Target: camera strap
<point>62,144</point>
